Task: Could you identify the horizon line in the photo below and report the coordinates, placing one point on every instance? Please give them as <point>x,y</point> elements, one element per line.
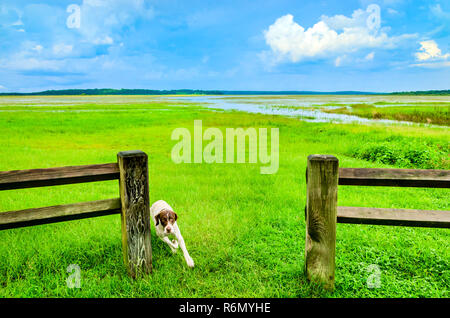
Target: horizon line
<point>146,91</point>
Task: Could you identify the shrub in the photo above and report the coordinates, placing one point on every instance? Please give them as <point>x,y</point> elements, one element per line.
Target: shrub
<point>405,155</point>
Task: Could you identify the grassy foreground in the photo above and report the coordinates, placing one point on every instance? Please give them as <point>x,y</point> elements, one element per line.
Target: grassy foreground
<point>245,231</point>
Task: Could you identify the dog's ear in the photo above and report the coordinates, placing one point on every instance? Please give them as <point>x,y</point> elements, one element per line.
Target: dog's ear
<point>176,216</point>
<point>157,219</point>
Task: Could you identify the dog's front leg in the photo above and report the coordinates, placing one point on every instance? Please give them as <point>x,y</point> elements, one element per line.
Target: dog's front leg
<point>173,245</point>
<point>187,257</point>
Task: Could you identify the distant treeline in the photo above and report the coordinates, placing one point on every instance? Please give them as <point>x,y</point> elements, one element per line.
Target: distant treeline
<point>123,91</point>
<point>296,93</point>
<point>433,92</point>
<point>110,91</point>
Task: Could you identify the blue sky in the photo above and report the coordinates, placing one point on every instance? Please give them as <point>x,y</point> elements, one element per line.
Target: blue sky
<point>386,45</point>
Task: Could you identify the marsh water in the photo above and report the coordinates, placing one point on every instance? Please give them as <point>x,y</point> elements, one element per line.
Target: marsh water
<point>309,107</point>
<point>305,107</point>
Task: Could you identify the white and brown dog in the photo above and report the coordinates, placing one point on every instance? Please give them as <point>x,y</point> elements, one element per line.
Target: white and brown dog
<point>165,220</point>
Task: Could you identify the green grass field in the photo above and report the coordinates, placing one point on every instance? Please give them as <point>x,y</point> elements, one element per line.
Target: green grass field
<point>244,230</point>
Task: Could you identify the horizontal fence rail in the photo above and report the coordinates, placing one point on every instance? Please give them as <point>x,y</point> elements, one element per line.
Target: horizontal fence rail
<point>394,177</point>
<point>401,217</point>
<point>58,213</point>
<point>20,179</point>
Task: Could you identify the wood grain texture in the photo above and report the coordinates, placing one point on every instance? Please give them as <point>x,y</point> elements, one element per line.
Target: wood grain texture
<point>321,209</point>
<point>135,215</point>
<point>399,217</point>
<point>19,179</point>
<point>394,177</point>
<point>58,213</point>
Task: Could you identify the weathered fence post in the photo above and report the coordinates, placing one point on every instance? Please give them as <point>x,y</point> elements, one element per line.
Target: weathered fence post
<point>321,210</point>
<point>135,214</point>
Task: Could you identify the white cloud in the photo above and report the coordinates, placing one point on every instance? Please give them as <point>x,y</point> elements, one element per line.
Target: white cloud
<point>338,61</point>
<point>392,11</point>
<point>33,56</point>
<point>347,60</point>
<point>22,63</point>
<point>329,37</point>
<point>370,56</point>
<point>433,65</point>
<point>2,87</point>
<point>38,48</point>
<point>429,50</point>
<point>59,48</point>
<point>359,19</point>
<point>101,20</point>
<point>430,55</point>
<point>17,23</point>
<point>438,12</point>
<point>106,40</point>
<point>62,49</point>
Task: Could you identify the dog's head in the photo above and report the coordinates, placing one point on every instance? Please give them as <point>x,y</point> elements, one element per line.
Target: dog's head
<point>167,218</point>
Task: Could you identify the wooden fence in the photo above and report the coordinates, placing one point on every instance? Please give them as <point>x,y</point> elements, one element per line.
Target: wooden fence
<point>323,176</point>
<point>322,213</point>
<point>131,170</point>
